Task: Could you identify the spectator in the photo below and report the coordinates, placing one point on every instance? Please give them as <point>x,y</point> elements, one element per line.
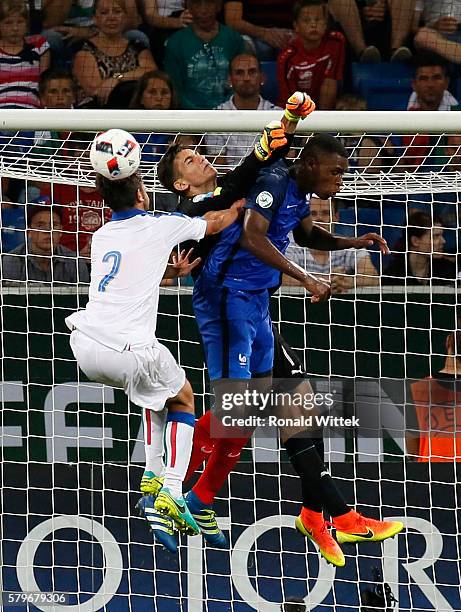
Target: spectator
<point>154,91</point>
<point>161,19</point>
<point>246,80</point>
<point>441,33</point>
<point>388,25</point>
<point>108,65</point>
<point>433,428</point>
<point>420,258</point>
<point>255,18</point>
<point>43,258</point>
<point>314,60</point>
<point>197,57</point>
<point>57,89</point>
<point>346,268</point>
<point>22,59</point>
<point>430,84</point>
<point>370,153</point>
<point>430,92</point>
<point>351,102</point>
<point>81,207</point>
<point>68,22</point>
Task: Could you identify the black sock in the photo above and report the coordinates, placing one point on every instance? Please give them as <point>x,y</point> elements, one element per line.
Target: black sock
<point>318,488</point>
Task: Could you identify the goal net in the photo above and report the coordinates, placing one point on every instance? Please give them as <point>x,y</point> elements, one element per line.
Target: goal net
<point>72,450</point>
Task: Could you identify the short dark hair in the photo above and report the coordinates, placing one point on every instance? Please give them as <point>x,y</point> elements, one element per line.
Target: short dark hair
<point>35,209</point>
<point>52,74</point>
<point>119,195</point>
<point>252,55</point>
<point>142,84</point>
<point>322,144</point>
<point>419,222</point>
<point>424,59</point>
<point>165,168</point>
<point>298,7</point>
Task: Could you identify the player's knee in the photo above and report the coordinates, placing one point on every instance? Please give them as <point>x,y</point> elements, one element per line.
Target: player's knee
<point>184,401</point>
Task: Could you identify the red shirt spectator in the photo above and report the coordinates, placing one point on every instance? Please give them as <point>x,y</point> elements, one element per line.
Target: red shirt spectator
<point>301,70</point>
<point>82,214</point>
<point>314,61</point>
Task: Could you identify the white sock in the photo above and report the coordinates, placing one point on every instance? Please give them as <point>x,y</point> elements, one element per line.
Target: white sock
<point>154,426</point>
<point>179,434</point>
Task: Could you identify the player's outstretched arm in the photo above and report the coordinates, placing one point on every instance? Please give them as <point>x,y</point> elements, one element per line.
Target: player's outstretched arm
<point>218,220</point>
<point>254,239</point>
<point>315,237</point>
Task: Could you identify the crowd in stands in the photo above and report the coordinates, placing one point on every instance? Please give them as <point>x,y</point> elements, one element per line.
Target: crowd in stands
<point>231,55</point>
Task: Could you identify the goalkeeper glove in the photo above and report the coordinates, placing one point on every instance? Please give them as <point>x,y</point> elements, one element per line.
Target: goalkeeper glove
<point>272,138</point>
<point>299,106</point>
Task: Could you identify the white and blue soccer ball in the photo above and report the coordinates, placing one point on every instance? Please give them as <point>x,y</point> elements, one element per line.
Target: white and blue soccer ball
<point>115,154</point>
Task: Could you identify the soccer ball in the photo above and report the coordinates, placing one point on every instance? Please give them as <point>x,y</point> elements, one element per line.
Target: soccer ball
<point>115,154</point>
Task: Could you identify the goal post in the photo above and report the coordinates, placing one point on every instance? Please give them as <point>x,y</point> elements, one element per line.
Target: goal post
<point>72,450</point>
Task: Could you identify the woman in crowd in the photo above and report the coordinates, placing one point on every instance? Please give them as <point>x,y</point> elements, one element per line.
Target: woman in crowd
<point>22,59</point>
<point>107,65</point>
<point>421,259</point>
<point>154,91</point>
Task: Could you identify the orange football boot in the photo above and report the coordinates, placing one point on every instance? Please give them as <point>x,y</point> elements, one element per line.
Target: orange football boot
<point>313,525</point>
<point>353,527</point>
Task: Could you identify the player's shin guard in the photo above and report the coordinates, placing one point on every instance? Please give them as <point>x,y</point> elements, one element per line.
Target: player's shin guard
<point>154,425</point>
<point>202,445</point>
<point>319,489</point>
<point>225,455</point>
<point>179,432</point>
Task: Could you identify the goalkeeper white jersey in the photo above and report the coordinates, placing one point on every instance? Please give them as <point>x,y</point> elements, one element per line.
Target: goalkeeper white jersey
<point>128,260</point>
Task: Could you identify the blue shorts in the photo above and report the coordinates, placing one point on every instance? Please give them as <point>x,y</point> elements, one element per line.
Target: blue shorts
<point>236,330</point>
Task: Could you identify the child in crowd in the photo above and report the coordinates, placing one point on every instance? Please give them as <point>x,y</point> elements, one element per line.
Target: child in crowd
<point>22,58</point>
<point>314,60</point>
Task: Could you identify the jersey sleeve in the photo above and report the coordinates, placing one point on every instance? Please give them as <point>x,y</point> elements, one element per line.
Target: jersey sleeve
<point>178,228</point>
<point>267,194</point>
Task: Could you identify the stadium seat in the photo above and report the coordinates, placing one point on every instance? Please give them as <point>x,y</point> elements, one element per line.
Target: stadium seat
<point>13,226</point>
<point>385,86</point>
<point>270,89</point>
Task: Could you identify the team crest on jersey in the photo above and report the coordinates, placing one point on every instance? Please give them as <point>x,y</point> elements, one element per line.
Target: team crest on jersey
<point>264,199</point>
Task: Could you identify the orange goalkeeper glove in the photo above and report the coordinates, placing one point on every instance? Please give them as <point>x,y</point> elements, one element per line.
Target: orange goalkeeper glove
<point>272,138</point>
<point>299,106</point>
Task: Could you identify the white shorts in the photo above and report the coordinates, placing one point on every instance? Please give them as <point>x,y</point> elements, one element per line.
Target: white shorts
<point>148,376</point>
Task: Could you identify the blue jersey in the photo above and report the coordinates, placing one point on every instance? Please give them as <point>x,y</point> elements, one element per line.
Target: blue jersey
<point>276,197</point>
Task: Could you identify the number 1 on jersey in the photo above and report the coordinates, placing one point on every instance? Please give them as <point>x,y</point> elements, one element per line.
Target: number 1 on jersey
<point>116,256</point>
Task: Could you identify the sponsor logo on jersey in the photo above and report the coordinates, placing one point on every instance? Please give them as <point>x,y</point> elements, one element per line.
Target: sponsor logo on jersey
<point>242,359</point>
<point>264,199</point>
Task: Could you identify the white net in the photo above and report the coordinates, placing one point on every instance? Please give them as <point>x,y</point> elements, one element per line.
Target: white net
<point>72,450</point>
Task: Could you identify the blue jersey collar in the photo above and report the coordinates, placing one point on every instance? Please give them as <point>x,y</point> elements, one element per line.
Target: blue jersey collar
<point>127,214</point>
